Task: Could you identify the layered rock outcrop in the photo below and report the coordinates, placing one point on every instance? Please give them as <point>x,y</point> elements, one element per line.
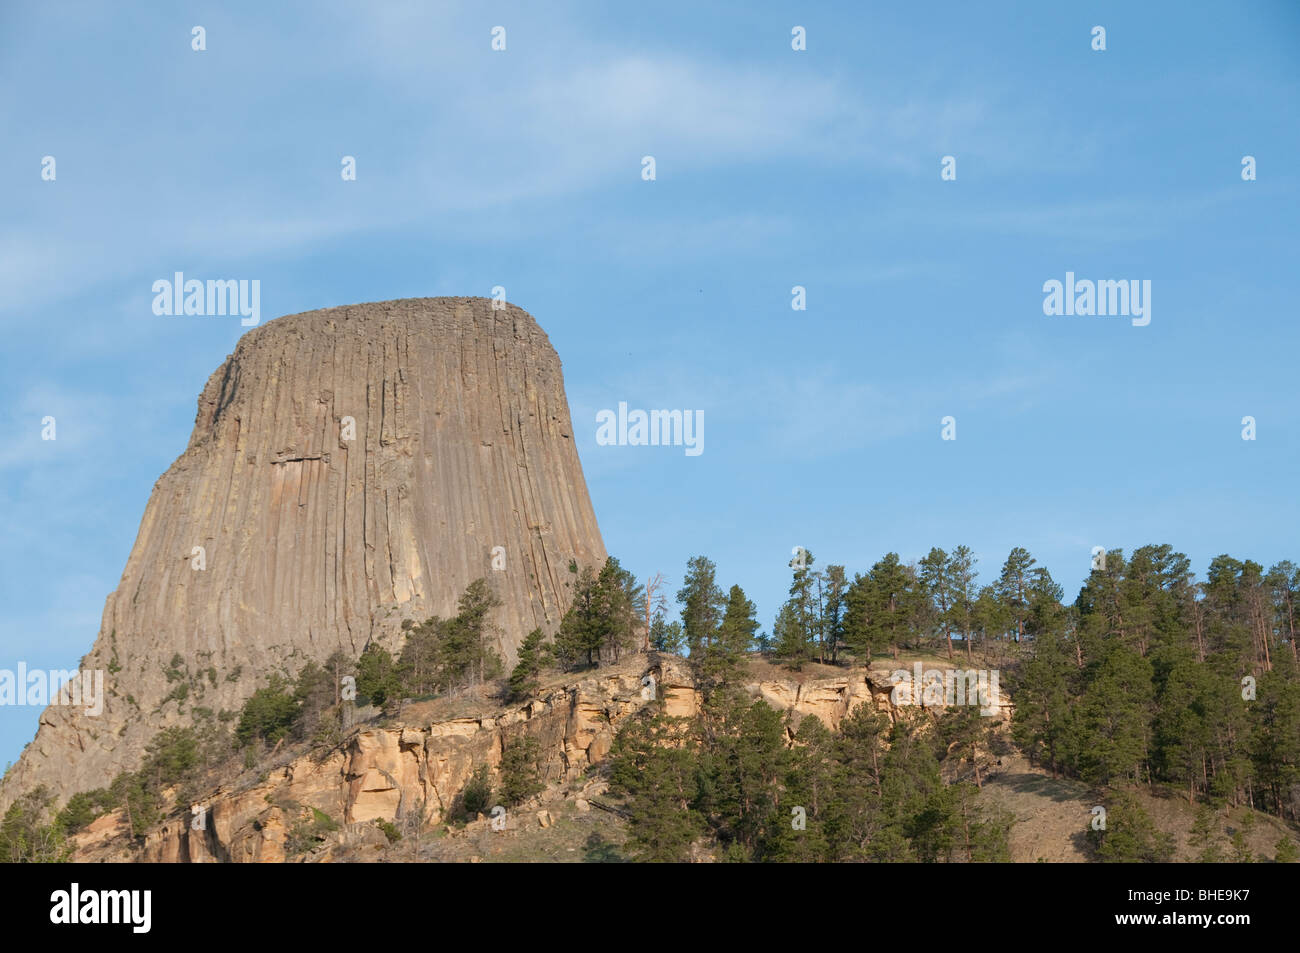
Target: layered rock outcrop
<point>409,768</point>
<point>348,468</point>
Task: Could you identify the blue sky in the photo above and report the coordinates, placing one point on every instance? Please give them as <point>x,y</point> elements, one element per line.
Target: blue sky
<point>775,168</point>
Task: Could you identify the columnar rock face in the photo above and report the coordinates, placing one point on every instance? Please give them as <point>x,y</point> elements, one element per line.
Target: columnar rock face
<point>349,468</point>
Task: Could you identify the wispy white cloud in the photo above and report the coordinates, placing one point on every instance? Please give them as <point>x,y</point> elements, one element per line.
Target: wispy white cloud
<point>533,125</point>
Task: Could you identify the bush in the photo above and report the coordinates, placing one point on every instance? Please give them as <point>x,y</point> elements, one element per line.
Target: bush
<point>269,714</point>
<point>82,809</point>
<point>309,832</point>
<point>25,839</point>
<point>1286,851</point>
<point>476,797</point>
<point>378,679</point>
<point>520,771</point>
<point>1128,837</point>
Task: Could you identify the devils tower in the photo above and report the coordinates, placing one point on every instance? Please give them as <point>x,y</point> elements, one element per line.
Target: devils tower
<point>349,468</point>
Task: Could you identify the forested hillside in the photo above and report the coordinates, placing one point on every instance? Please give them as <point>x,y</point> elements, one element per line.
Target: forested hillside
<point>1150,683</point>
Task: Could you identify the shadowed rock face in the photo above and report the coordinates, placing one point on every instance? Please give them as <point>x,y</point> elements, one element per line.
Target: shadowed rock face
<point>315,538</point>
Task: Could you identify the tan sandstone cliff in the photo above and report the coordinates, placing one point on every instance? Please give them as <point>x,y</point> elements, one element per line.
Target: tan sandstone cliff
<point>408,769</point>
<point>348,468</point>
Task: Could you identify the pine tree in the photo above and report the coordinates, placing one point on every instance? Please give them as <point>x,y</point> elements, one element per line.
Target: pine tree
<point>1183,733</point>
<point>1129,836</point>
<point>603,617</point>
<point>313,696</point>
<point>1042,722</point>
<point>421,660</point>
<point>666,636</point>
<point>619,607</point>
<point>653,767</point>
<point>832,625</point>
<point>1013,587</point>
<point>1284,582</point>
<point>473,654</point>
<point>798,830</point>
<point>476,796</point>
<point>1204,836</point>
<point>859,609</point>
<point>270,713</point>
<point>879,608</point>
<point>853,811</point>
<point>524,676</point>
<point>789,639</point>
<point>743,771</point>
<point>520,771</point>
<point>378,679</point>
<point>735,634</point>
<point>961,576</point>
<point>1275,738</point>
<point>1113,726</point>
<point>702,603</point>
<point>990,618</point>
<point>580,636</point>
<point>1287,851</point>
<point>938,590</point>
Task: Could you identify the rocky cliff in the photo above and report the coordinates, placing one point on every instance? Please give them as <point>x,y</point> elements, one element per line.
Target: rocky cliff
<point>407,770</point>
<point>348,468</point>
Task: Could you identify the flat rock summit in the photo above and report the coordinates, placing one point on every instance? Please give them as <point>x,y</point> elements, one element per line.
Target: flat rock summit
<point>349,468</point>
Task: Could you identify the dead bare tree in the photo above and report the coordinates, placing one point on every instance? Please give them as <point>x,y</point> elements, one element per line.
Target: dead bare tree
<point>654,599</point>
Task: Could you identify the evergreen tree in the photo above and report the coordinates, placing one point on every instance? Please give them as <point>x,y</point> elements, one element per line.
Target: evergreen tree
<point>702,603</point>
<point>619,607</point>
<point>269,714</point>
<point>858,618</point>
<point>1129,836</point>
<point>743,771</point>
<point>666,636</point>
<point>734,638</point>
<point>603,617</point>
<point>653,766</point>
<point>963,592</point>
<point>1204,837</point>
<point>1113,726</point>
<point>1013,588</point>
<point>579,639</point>
<point>1043,690</point>
<point>938,587</point>
<point>880,608</point>
<point>467,651</point>
<point>804,798</point>
<point>524,677</point>
<point>789,639</point>
<point>378,678</point>
<point>832,624</point>
<point>476,797</point>
<point>1286,851</point>
<point>26,838</point>
<point>423,662</point>
<point>520,770</point>
<point>313,697</point>
<point>990,618</point>
<point>804,614</point>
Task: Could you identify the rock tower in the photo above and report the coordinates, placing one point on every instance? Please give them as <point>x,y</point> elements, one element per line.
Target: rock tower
<point>349,468</point>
